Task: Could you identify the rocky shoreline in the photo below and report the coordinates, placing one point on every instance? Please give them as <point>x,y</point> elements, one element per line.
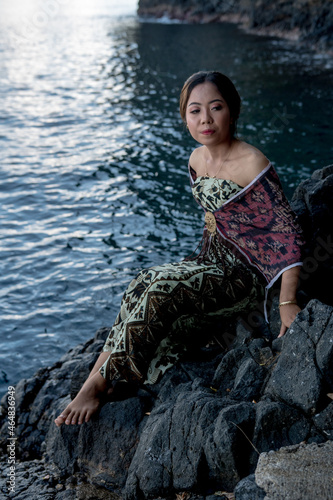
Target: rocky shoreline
<point>309,22</point>
<point>248,416</point>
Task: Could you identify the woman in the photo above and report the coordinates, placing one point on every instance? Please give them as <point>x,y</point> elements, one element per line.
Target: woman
<point>250,240</point>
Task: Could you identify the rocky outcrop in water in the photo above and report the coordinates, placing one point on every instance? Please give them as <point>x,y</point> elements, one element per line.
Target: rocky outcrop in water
<point>309,21</point>
<point>222,419</point>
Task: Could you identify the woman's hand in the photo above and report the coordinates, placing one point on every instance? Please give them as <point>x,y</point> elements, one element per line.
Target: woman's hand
<point>288,313</point>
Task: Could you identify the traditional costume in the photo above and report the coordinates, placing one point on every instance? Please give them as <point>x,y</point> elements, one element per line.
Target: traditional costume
<point>249,239</point>
<point>257,224</point>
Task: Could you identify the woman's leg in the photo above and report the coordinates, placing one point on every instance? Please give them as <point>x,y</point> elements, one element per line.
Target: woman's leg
<point>152,302</point>
<point>144,295</point>
<point>160,295</point>
<point>86,402</point>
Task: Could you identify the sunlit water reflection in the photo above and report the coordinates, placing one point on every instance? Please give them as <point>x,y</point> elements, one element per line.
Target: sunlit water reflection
<point>94,157</point>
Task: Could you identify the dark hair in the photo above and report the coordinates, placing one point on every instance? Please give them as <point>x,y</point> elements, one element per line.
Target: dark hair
<point>224,85</point>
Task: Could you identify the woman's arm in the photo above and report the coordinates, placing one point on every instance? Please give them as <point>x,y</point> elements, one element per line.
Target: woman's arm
<point>289,284</point>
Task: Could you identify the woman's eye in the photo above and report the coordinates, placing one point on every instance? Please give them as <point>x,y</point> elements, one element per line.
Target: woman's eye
<point>194,111</point>
<point>217,108</point>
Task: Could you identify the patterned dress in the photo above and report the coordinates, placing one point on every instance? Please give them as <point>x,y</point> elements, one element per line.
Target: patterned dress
<point>165,307</point>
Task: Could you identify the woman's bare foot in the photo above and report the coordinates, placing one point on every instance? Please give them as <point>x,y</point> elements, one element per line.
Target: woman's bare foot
<point>86,402</point>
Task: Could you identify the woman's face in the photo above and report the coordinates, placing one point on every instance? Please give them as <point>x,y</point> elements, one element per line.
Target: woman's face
<point>208,115</point>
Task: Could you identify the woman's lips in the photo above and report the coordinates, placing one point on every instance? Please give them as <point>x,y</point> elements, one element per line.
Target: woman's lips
<point>208,131</point>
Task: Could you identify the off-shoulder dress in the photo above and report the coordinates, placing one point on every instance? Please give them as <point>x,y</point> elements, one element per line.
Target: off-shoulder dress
<point>168,307</point>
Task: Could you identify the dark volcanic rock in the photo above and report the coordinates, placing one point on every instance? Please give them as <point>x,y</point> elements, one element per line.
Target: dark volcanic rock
<point>103,448</point>
<point>313,204</point>
<point>247,489</point>
<point>303,370</point>
<point>184,434</point>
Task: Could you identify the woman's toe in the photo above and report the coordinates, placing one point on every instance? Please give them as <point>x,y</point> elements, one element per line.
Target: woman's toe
<point>69,418</point>
<point>87,417</point>
<point>59,420</point>
<point>83,417</point>
<point>74,418</point>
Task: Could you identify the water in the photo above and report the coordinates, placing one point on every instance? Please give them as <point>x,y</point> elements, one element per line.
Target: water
<point>93,155</point>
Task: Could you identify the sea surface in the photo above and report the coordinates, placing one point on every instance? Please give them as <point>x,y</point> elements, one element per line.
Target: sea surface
<point>93,155</point>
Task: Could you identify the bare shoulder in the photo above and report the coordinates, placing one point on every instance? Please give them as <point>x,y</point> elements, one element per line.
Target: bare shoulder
<point>252,160</point>
<point>196,158</point>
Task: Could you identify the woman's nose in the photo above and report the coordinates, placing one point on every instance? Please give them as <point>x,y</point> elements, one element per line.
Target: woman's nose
<point>206,117</point>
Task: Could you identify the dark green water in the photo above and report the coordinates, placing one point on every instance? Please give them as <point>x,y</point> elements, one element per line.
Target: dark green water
<point>94,160</point>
